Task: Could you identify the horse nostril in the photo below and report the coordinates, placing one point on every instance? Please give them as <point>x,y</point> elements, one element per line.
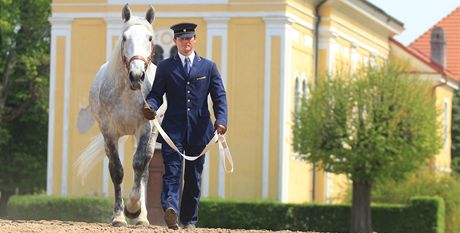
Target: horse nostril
<point>143,76</point>
<point>131,76</point>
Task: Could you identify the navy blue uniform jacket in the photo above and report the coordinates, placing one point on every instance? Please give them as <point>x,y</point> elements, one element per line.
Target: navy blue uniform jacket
<point>187,116</point>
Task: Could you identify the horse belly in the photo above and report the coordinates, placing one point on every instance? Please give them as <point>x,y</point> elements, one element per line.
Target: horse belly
<point>128,121</point>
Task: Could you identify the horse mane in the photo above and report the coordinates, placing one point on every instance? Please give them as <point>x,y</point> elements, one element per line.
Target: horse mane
<point>114,65</point>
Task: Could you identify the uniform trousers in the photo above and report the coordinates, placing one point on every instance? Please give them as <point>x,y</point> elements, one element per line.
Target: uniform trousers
<point>188,208</point>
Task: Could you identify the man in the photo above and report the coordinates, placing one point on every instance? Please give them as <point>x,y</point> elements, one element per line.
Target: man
<point>187,79</point>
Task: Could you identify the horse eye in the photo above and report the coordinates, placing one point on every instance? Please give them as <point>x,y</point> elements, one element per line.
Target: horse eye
<point>124,38</point>
<point>150,38</point>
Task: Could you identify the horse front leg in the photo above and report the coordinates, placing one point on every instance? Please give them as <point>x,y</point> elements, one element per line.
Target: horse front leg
<point>136,207</point>
<point>116,173</point>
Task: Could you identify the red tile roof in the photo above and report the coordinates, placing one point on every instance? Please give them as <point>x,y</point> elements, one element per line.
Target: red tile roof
<point>451,26</point>
<point>421,57</point>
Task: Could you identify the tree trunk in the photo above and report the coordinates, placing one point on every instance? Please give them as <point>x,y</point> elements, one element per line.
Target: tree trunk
<point>5,77</point>
<point>361,221</point>
<point>4,197</point>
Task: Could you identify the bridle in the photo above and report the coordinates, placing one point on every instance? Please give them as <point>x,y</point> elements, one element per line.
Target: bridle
<point>126,62</point>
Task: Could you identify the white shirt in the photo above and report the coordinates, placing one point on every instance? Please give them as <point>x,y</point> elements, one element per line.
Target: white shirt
<point>182,58</point>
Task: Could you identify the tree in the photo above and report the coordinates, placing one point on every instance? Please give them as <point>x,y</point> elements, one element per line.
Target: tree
<point>455,133</point>
<point>375,124</point>
<point>24,67</point>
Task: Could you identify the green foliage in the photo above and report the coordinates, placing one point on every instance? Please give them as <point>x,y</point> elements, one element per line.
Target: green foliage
<point>455,133</point>
<point>420,215</point>
<point>374,124</point>
<point>425,214</point>
<point>40,207</point>
<point>427,184</point>
<point>24,67</point>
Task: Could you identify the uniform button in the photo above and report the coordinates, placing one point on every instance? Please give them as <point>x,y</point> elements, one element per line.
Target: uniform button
<point>188,83</point>
<point>188,109</point>
<point>188,100</point>
<point>188,92</point>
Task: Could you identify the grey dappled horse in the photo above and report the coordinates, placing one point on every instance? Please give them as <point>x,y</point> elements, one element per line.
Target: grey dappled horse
<point>116,100</point>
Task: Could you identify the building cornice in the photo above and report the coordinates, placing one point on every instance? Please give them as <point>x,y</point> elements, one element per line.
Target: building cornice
<point>372,13</point>
<point>217,22</point>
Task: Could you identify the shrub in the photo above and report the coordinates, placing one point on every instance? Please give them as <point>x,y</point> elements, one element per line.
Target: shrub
<point>424,214</point>
<point>41,207</point>
<point>426,184</point>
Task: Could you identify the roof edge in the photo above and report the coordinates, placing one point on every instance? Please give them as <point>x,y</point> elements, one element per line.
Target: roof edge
<point>393,24</point>
<point>426,60</point>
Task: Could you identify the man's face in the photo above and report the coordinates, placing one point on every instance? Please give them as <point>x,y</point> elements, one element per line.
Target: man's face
<point>185,45</point>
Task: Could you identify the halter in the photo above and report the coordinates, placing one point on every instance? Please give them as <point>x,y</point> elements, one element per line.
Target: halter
<point>136,57</point>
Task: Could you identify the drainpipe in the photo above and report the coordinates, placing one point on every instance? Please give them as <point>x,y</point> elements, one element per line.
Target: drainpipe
<point>446,80</point>
<point>316,40</point>
<point>315,79</point>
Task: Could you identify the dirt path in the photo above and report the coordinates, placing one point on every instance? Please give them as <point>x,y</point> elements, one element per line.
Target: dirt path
<point>29,226</point>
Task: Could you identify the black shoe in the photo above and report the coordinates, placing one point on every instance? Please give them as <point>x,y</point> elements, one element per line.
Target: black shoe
<point>171,219</point>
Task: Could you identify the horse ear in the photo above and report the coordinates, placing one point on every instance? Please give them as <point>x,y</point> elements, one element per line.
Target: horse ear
<point>150,15</point>
<point>126,13</point>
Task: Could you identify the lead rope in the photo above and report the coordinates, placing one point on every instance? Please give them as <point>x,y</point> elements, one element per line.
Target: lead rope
<point>223,146</point>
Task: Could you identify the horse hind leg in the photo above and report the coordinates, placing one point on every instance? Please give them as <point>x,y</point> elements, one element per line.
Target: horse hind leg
<point>116,173</point>
<point>136,203</point>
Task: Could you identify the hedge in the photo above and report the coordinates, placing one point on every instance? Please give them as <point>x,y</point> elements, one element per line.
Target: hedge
<point>41,207</point>
<point>424,214</point>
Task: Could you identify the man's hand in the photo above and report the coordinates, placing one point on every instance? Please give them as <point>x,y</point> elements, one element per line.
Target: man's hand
<point>149,113</point>
<point>220,129</point>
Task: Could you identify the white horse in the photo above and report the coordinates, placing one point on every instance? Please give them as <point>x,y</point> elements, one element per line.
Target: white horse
<point>116,100</point>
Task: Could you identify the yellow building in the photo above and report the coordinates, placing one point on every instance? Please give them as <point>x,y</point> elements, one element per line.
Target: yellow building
<point>269,53</point>
<point>444,86</point>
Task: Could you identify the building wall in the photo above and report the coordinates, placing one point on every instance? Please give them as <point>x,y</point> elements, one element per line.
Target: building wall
<point>87,53</point>
<point>93,29</point>
<point>444,93</point>
<point>245,98</point>
<point>300,172</point>
<point>261,47</point>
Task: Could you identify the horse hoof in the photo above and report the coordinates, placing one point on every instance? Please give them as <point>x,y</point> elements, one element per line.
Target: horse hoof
<point>132,215</point>
<point>119,224</point>
<point>143,222</point>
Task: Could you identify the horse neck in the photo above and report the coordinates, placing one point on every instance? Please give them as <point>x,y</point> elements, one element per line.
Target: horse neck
<point>120,78</point>
<point>116,70</point>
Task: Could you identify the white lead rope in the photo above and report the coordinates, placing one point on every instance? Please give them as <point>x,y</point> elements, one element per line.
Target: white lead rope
<point>223,147</point>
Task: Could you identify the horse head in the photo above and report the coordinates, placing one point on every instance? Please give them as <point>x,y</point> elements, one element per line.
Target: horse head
<point>137,45</point>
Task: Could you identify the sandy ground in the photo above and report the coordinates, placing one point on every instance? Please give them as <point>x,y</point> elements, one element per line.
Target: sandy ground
<point>29,226</point>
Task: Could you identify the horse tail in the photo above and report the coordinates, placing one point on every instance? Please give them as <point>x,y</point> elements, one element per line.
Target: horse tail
<point>85,119</point>
<point>92,155</point>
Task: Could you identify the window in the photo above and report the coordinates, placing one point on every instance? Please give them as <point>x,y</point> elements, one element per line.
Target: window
<point>164,45</point>
<point>297,96</point>
<point>301,93</point>
<point>158,55</point>
<point>305,91</point>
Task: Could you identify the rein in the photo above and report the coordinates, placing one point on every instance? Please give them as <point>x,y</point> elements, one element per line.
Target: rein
<point>223,146</point>
<point>126,62</point>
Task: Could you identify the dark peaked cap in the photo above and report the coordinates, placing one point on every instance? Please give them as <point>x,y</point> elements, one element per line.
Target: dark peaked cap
<point>184,30</point>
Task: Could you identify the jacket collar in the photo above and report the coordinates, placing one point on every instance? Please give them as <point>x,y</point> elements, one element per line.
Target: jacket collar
<point>196,65</point>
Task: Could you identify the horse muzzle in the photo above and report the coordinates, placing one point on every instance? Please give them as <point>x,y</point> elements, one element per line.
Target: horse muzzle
<point>136,79</point>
